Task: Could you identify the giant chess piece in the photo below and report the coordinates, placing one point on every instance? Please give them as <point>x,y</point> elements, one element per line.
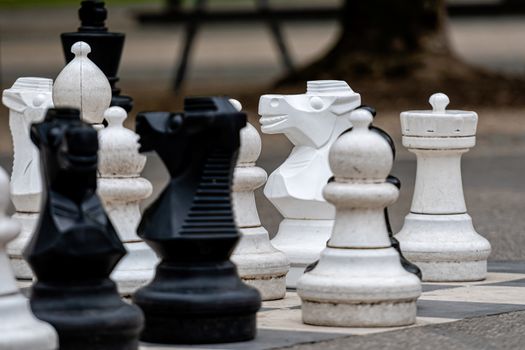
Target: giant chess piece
<point>121,189</point>
<point>312,122</point>
<point>27,100</point>
<point>75,247</point>
<point>359,280</point>
<point>260,265</point>
<point>196,295</point>
<point>438,234</point>
<point>82,85</point>
<point>19,329</point>
<point>107,46</point>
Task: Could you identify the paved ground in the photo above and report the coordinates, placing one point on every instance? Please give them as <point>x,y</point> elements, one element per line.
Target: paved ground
<point>506,331</point>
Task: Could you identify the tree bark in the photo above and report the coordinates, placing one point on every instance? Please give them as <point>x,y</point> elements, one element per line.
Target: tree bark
<point>398,47</point>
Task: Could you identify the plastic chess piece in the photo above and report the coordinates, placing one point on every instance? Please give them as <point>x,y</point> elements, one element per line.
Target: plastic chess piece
<point>75,247</point>
<point>260,265</point>
<point>27,100</point>
<point>312,122</point>
<point>438,234</point>
<point>196,295</point>
<point>121,189</point>
<point>107,46</point>
<point>82,85</point>
<point>359,280</point>
<point>19,329</point>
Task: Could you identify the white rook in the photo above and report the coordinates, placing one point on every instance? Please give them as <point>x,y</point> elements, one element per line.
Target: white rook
<point>312,122</point>
<point>258,262</point>
<point>28,100</point>
<point>438,235</point>
<point>19,328</point>
<point>359,280</point>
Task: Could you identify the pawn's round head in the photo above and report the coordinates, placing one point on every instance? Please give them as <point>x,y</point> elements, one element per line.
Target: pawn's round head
<point>361,154</point>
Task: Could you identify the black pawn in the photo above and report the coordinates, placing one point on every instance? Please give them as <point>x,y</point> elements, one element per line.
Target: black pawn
<point>75,247</point>
<point>106,47</point>
<point>407,265</point>
<point>196,295</point>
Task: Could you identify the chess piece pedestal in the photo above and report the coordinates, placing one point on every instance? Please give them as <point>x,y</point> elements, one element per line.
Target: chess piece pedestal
<point>196,295</point>
<point>260,265</point>
<point>75,246</point>
<point>359,280</point>
<point>438,235</point>
<point>19,329</point>
<point>312,234</point>
<point>121,189</point>
<point>27,100</point>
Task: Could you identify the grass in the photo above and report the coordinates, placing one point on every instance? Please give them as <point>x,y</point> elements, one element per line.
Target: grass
<point>48,3</point>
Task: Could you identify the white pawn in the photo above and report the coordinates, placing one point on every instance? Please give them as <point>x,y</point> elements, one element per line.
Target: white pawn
<point>28,100</point>
<point>438,235</point>
<point>19,328</point>
<point>312,122</point>
<point>121,189</point>
<point>359,280</point>
<point>82,85</point>
<point>258,262</point>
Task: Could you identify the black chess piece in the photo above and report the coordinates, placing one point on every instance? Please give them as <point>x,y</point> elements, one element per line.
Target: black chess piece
<point>196,295</point>
<point>407,265</point>
<point>75,246</point>
<point>106,47</point>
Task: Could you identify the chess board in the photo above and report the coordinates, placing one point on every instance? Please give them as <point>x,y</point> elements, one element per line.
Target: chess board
<point>279,322</point>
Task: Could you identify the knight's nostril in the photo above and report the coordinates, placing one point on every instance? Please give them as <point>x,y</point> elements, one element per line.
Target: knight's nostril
<point>274,102</point>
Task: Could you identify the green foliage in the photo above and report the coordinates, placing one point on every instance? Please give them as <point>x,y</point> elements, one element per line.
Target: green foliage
<point>47,3</point>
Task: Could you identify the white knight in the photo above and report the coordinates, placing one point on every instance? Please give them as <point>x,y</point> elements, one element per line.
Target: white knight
<point>28,100</point>
<point>312,122</point>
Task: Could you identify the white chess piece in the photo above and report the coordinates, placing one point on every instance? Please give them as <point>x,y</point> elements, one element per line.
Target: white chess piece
<point>258,262</point>
<point>438,235</point>
<point>82,85</point>
<point>19,328</point>
<point>312,122</point>
<point>359,280</point>
<point>121,189</point>
<point>28,100</point>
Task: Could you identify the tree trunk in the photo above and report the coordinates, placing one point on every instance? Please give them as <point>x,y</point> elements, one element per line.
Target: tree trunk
<point>388,48</point>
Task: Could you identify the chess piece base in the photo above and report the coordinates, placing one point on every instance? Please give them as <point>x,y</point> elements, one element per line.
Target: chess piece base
<point>189,303</point>
<point>359,288</point>
<point>301,241</point>
<point>445,247</point>
<point>15,248</point>
<point>20,329</point>
<point>260,265</point>
<point>136,269</point>
<point>88,317</point>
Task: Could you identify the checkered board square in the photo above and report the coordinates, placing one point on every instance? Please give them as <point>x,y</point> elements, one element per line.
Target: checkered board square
<point>279,322</point>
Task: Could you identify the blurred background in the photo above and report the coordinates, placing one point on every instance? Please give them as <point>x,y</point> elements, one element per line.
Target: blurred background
<point>395,53</point>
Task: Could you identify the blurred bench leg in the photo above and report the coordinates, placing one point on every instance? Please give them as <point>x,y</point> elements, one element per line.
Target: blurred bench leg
<point>263,6</point>
<point>189,37</point>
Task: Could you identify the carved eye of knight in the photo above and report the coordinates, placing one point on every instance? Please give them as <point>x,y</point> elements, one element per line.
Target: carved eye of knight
<point>175,122</point>
<point>54,137</point>
<point>316,103</point>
